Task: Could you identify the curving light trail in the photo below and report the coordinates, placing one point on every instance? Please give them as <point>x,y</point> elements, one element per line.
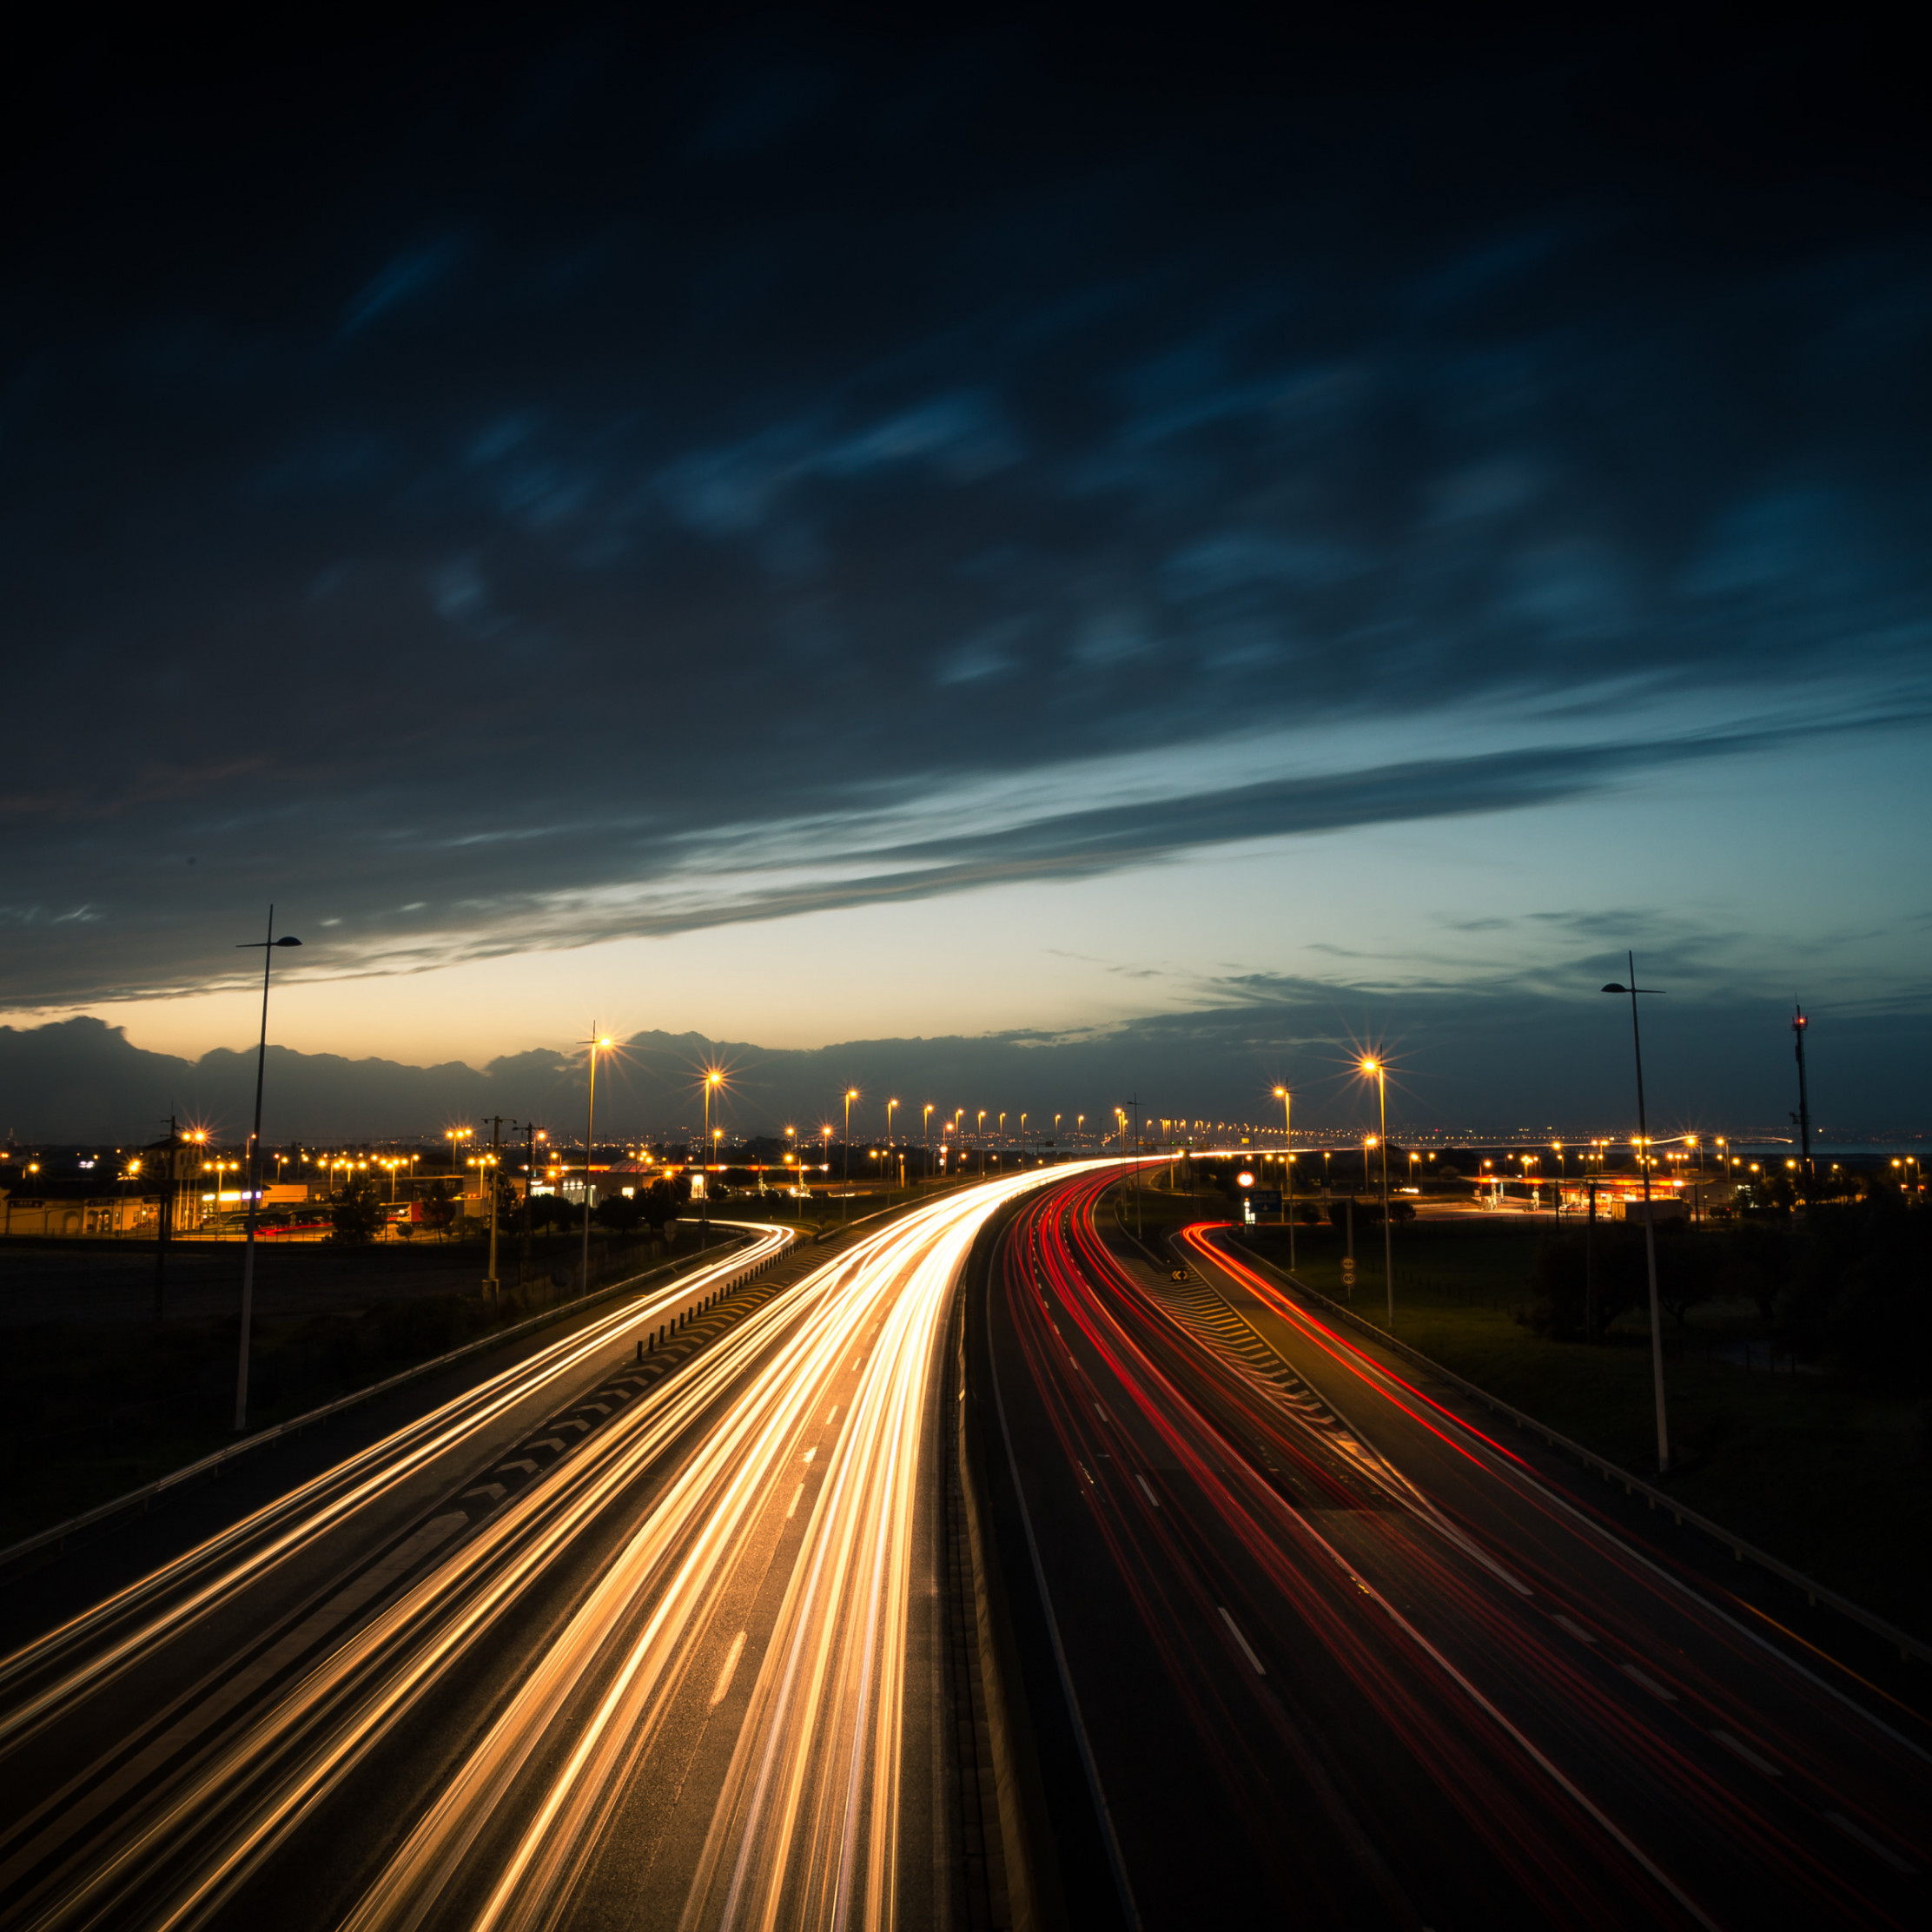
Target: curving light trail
<point>805,1823</point>
<point>1245,1524</point>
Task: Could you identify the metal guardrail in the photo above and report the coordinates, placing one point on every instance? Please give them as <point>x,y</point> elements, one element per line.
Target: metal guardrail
<point>286,1431</point>
<point>1815,1592</point>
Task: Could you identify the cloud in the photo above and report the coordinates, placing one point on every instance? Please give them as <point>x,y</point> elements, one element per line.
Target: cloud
<point>772,480</point>
<point>408,275</point>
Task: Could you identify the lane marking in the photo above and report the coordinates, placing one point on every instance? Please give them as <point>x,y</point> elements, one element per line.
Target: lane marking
<point>1247,1648</point>
<point>725,1675</point>
<point>793,1503</point>
<point>1648,1683</point>
<point>812,1451</point>
<point>1738,1748</point>
<point>493,1492</point>
<point>1870,1843</point>
<point>1145,1484</point>
<point>831,1415</point>
<point>1576,1630</point>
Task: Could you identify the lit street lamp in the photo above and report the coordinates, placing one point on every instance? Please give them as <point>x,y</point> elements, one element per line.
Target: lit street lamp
<point>1650,1227</point>
<point>1288,1168</point>
<point>712,1079</point>
<point>269,947</point>
<point>598,1043</point>
<point>845,1159</point>
<point>1380,1073</point>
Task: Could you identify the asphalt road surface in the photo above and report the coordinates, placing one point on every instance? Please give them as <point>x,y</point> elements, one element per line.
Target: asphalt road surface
<point>643,1632</point>
<point>1333,1657</point>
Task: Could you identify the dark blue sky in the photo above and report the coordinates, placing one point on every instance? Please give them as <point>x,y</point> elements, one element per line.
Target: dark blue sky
<point>801,527</point>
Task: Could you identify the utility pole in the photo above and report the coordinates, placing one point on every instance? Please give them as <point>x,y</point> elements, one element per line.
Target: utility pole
<point>1798,1024</point>
<point>1136,1104</point>
<point>496,1167</point>
<point>164,1221</point>
<point>590,1137</point>
<point>529,1194</point>
<point>269,947</point>
<point>1590,1268</point>
<point>1650,1226</point>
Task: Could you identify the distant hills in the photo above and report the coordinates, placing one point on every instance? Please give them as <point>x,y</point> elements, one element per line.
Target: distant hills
<point>1485,1064</point>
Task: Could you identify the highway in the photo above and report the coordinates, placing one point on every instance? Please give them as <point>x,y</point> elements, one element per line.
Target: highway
<point>1327,1653</point>
<point>643,1631</point>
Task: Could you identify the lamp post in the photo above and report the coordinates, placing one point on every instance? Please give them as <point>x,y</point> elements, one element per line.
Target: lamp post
<point>1798,1024</point>
<point>845,1158</point>
<point>711,1078</point>
<point>1650,1226</point>
<point>530,1138</point>
<point>596,1044</point>
<point>925,1135</point>
<point>493,1169</point>
<point>1380,1072</point>
<point>269,947</point>
<point>1288,1167</point>
<point>890,1105</point>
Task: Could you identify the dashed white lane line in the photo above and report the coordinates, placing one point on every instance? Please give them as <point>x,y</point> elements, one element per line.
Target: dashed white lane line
<point>1576,1630</point>
<point>812,1451</point>
<point>1738,1748</point>
<point>725,1676</point>
<point>1646,1681</point>
<point>1870,1843</point>
<point>792,1506</point>
<point>1247,1648</point>
<point>1149,1487</point>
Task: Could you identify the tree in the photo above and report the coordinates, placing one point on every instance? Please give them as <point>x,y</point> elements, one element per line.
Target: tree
<point>663,1200</point>
<point>356,1213</point>
<point>438,1205</point>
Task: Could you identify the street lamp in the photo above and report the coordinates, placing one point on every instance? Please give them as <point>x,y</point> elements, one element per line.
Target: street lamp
<point>712,1079</point>
<point>596,1043</point>
<point>1380,1072</point>
<point>270,947</point>
<point>845,1159</point>
<point>1650,1227</point>
<point>1287,1169</point>
<point>890,1105</point>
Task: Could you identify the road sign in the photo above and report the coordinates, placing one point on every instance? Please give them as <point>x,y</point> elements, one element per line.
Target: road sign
<point>1349,1271</point>
<point>1266,1201</point>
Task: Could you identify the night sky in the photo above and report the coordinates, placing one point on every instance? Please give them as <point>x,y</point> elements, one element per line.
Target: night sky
<point>807,528</point>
